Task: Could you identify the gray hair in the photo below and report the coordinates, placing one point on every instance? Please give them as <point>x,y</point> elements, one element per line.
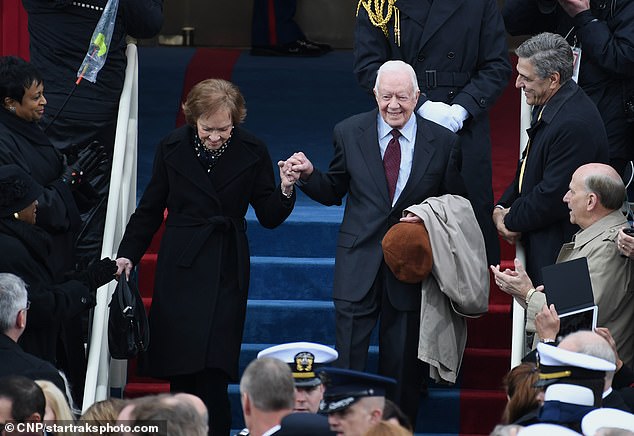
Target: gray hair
<point>549,53</point>
<point>611,191</point>
<point>13,298</point>
<point>269,384</point>
<point>396,66</point>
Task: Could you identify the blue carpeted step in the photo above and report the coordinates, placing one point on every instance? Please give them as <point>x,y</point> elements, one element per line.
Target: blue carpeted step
<point>279,321</point>
<point>291,278</point>
<point>310,231</point>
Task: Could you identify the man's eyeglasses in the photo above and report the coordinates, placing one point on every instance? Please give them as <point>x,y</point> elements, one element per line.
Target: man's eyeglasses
<point>28,305</point>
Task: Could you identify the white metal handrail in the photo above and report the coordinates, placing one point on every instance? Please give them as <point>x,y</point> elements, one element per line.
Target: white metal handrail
<point>102,372</point>
<point>518,346</point>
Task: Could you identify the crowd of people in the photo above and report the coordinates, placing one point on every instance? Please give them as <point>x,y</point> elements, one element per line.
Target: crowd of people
<point>418,159</point>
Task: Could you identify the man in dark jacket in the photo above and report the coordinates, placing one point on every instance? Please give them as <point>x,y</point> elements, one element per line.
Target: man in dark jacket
<point>14,307</point>
<point>379,187</point>
<point>458,50</point>
<point>566,133</point>
<point>602,31</point>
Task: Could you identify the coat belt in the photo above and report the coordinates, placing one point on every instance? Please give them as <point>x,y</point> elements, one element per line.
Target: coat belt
<point>207,226</point>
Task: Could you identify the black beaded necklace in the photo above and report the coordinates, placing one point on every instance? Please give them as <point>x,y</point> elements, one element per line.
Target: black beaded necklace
<point>208,157</point>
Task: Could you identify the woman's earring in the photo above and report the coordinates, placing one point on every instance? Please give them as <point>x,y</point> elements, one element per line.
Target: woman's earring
<point>16,215</point>
<point>12,109</point>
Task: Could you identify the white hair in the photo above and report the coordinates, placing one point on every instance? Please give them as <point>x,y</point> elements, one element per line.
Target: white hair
<point>396,66</point>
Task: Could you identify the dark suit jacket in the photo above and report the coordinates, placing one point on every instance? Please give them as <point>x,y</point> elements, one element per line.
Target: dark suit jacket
<point>15,361</point>
<point>459,52</point>
<point>569,134</point>
<point>357,170</point>
<point>202,274</point>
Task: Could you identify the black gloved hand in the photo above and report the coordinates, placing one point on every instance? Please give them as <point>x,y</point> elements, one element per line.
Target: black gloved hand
<point>98,274</point>
<point>86,166</point>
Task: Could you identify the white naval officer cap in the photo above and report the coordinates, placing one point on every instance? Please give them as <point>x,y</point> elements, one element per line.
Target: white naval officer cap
<point>304,359</point>
<point>608,418</point>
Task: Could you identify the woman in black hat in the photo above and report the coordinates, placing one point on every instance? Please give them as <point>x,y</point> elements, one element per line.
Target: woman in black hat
<point>25,249</point>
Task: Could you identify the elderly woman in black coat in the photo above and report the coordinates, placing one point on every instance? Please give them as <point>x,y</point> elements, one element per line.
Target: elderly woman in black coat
<point>206,174</point>
<point>25,250</point>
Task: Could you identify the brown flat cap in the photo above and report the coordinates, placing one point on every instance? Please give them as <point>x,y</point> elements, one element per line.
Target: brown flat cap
<point>407,251</point>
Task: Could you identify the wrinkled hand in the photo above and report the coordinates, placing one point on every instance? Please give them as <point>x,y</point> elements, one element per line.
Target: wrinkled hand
<point>86,166</point>
<point>450,117</point>
<point>506,234</point>
<point>123,264</point>
<point>604,332</point>
<point>625,244</point>
<point>288,177</point>
<point>547,322</point>
<point>573,7</point>
<point>411,218</point>
<point>514,282</point>
<point>301,165</point>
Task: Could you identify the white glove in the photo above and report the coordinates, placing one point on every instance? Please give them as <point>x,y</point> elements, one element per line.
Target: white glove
<point>450,117</point>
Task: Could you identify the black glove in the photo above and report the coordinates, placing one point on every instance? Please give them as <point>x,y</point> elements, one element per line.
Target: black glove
<point>86,166</point>
<point>98,274</point>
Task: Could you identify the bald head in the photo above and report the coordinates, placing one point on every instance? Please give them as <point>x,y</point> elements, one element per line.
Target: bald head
<point>591,344</point>
<point>595,190</point>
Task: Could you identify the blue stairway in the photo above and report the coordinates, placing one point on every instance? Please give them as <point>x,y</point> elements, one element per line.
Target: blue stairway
<point>293,105</point>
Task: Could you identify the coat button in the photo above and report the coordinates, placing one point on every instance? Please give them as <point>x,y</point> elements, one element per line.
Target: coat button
<point>451,95</point>
<point>83,300</point>
<point>451,55</point>
<point>483,101</point>
<point>421,57</point>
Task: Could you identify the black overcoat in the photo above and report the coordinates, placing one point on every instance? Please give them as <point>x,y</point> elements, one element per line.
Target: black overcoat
<point>24,144</point>
<point>24,250</point>
<point>569,134</point>
<point>202,276</point>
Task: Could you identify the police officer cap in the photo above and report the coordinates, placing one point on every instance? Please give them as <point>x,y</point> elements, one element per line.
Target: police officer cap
<point>607,417</point>
<point>304,358</point>
<point>559,365</point>
<point>345,386</point>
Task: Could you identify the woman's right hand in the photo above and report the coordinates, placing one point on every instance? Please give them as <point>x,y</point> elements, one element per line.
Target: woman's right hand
<point>124,264</point>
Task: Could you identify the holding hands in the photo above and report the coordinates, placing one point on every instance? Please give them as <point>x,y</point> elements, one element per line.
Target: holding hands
<point>292,169</point>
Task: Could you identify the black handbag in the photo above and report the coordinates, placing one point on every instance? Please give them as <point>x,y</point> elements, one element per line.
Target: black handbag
<point>128,329</point>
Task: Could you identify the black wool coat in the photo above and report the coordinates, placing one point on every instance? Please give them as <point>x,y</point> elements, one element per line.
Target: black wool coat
<point>25,249</point>
<point>569,134</point>
<point>202,277</point>
<point>24,144</point>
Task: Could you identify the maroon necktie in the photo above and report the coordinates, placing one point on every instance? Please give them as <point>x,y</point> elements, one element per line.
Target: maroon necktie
<point>392,162</point>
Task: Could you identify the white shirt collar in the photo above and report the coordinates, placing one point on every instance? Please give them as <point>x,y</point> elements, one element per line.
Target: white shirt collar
<point>407,131</point>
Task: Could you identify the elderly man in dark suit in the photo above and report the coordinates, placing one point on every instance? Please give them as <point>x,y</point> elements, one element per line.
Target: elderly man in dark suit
<point>459,52</point>
<point>14,307</point>
<point>566,132</point>
<point>385,160</point>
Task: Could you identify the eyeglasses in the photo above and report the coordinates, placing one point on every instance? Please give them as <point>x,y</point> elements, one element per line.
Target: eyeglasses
<point>28,305</point>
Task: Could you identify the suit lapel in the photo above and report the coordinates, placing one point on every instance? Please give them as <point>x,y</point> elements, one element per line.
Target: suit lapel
<point>441,11</point>
<point>423,153</point>
<point>368,143</point>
